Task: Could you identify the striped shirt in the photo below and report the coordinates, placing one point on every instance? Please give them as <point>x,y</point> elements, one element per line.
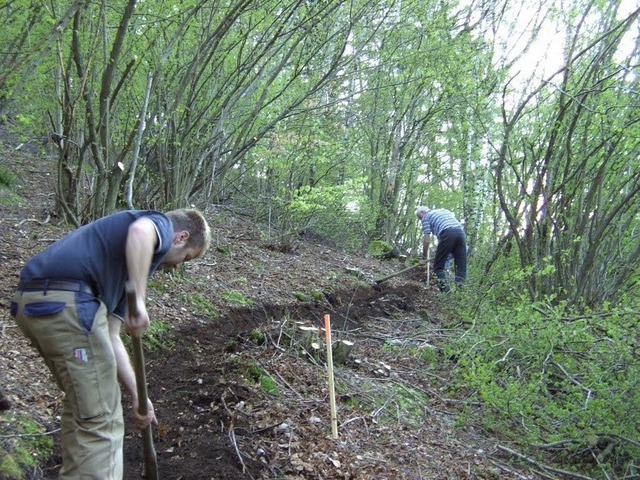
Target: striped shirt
<point>438,220</point>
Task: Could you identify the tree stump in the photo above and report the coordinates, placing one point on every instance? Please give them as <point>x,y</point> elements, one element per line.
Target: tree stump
<point>341,351</point>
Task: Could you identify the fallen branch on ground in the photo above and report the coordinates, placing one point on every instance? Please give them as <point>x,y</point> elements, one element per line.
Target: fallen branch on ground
<point>31,434</point>
<point>542,465</point>
<point>46,220</point>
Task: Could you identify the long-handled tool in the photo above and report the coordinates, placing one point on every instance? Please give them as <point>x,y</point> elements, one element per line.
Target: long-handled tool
<point>149,451</point>
<point>389,277</point>
<point>428,264</point>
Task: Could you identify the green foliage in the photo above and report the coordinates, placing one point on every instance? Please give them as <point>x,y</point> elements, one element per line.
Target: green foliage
<point>155,337</point>
<point>563,375</point>
<point>391,401</point>
<point>7,177</point>
<point>156,334</point>
<point>258,375</point>
<point>424,353</point>
<point>201,305</point>
<point>379,247</point>
<point>194,301</point>
<point>333,211</point>
<point>26,445</point>
<point>411,402</point>
<point>26,121</point>
<point>257,336</point>
<point>269,385</point>
<point>301,296</point>
<point>8,198</point>
<point>7,182</point>
<point>231,345</point>
<point>237,297</point>
<point>575,129</point>
<point>29,32</point>
<point>10,468</point>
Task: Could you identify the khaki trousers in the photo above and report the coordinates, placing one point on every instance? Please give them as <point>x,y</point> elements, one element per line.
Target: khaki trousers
<point>70,331</point>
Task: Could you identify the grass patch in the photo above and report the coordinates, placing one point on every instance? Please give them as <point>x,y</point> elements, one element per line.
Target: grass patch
<point>7,177</point>
<point>155,337</point>
<point>250,369</point>
<point>411,402</point>
<point>201,305</point>
<point>7,182</point>
<point>301,296</point>
<point>198,304</point>
<point>423,352</point>
<point>379,247</point>
<point>393,402</point>
<point>237,297</point>
<point>158,286</point>
<point>8,197</point>
<point>258,337</point>
<point>255,373</point>
<point>390,402</point>
<point>24,445</point>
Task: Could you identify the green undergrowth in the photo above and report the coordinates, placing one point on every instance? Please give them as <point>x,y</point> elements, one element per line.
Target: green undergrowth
<point>237,297</point>
<point>250,369</point>
<point>7,177</point>
<point>423,352</point>
<point>7,184</point>
<point>201,305</point>
<point>379,247</point>
<point>175,283</point>
<point>556,380</point>
<point>198,304</point>
<point>155,337</point>
<point>301,296</point>
<point>23,445</point>
<point>387,401</point>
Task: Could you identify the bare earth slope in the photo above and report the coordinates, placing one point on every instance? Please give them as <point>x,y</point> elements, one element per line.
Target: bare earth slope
<point>235,393</point>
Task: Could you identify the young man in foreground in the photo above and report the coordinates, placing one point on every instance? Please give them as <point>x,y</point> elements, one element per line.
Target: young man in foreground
<point>71,303</point>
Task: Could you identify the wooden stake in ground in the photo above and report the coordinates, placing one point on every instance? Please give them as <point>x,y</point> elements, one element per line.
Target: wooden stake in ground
<point>149,451</point>
<point>428,264</point>
<point>332,392</point>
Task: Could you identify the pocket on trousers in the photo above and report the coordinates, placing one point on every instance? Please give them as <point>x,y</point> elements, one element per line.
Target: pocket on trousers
<point>86,306</point>
<point>43,309</point>
<point>84,381</point>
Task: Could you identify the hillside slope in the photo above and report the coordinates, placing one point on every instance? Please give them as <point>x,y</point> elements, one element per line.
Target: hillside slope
<point>238,387</point>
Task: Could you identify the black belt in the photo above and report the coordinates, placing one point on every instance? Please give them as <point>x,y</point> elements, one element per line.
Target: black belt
<point>45,284</point>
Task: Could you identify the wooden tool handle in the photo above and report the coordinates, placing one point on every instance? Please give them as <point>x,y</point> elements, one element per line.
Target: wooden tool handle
<point>389,277</point>
<point>149,451</point>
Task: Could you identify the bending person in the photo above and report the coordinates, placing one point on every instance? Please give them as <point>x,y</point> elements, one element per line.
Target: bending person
<point>71,303</point>
<point>443,224</point>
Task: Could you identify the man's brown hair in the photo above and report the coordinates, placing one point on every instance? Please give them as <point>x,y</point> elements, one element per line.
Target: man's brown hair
<point>192,221</point>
